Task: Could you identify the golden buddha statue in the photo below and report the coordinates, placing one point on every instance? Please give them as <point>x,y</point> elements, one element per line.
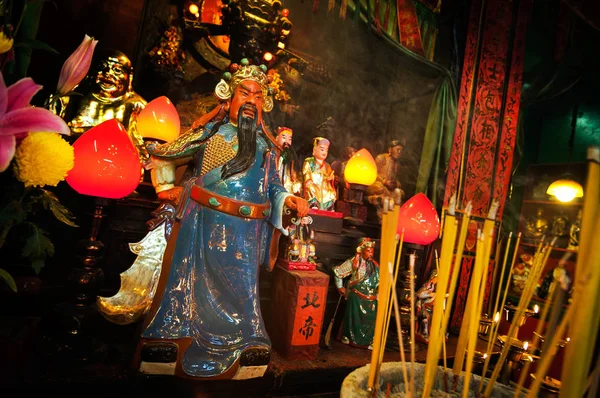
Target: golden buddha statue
<point>536,227</point>
<point>110,96</point>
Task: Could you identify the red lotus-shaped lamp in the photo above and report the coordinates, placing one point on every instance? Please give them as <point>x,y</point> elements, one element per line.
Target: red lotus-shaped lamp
<point>159,120</point>
<point>107,164</point>
<point>419,220</point>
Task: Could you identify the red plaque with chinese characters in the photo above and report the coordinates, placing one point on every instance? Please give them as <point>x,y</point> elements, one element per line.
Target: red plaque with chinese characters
<point>297,312</point>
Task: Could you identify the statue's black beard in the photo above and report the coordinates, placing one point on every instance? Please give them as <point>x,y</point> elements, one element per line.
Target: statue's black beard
<point>246,134</point>
<point>289,156</point>
<point>370,266</point>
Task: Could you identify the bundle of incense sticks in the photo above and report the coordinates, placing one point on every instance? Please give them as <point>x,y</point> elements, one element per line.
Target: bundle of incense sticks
<point>388,249</point>
<point>583,321</point>
<point>539,262</point>
<point>586,319</point>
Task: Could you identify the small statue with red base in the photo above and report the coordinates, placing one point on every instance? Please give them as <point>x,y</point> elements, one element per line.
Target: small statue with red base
<point>300,252</point>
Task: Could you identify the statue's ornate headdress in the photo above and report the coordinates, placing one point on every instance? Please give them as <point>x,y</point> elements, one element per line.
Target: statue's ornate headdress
<point>365,243</point>
<point>244,72</point>
<point>286,130</point>
<point>318,140</point>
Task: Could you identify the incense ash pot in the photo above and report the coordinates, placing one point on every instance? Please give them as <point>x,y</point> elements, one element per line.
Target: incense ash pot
<point>355,384</point>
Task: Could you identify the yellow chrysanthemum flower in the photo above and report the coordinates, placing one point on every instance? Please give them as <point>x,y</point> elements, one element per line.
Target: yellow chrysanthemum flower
<point>43,159</point>
<point>6,43</point>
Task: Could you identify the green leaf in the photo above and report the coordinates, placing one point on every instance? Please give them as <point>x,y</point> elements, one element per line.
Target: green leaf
<point>37,264</point>
<point>9,280</point>
<point>13,211</point>
<point>62,214</point>
<point>36,45</point>
<point>38,246</point>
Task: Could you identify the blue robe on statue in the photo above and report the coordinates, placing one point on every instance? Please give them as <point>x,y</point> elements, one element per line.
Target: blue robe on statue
<point>211,295</point>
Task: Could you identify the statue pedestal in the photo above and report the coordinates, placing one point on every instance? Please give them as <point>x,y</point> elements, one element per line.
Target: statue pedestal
<point>298,301</point>
<point>296,266</point>
<point>327,221</point>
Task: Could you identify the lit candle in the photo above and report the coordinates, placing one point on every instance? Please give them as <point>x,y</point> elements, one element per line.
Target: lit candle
<point>525,345</point>
<point>536,308</point>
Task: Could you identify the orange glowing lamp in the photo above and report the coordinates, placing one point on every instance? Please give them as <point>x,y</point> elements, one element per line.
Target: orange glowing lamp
<point>159,120</point>
<point>361,169</point>
<point>107,164</point>
<point>193,8</point>
<point>419,220</point>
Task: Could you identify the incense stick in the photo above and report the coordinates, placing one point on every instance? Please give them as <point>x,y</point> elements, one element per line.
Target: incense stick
<point>400,342</point>
<point>587,282</point>
<point>536,340</point>
<point>523,303</point>
<point>383,286</point>
<point>412,259</point>
<point>435,329</point>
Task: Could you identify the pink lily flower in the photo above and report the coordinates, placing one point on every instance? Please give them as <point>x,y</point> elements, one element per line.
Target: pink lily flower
<point>17,117</point>
<point>76,66</point>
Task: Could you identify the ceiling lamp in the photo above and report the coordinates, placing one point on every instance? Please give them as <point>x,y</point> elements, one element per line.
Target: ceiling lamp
<point>565,190</point>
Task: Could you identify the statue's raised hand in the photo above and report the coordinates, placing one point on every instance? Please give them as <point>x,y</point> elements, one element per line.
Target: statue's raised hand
<point>172,195</point>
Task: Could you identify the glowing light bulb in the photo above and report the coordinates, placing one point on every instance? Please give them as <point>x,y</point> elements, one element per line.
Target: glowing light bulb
<point>565,190</point>
<point>361,168</point>
<point>193,8</point>
<point>268,57</point>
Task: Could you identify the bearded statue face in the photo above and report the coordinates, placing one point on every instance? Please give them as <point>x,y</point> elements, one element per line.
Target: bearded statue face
<point>284,139</point>
<point>367,253</point>
<point>113,76</point>
<point>247,92</point>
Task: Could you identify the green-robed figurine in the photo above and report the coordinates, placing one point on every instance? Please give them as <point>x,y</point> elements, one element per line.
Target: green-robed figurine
<point>361,292</point>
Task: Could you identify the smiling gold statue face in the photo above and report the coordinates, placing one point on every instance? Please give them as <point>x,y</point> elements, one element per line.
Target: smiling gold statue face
<point>112,78</point>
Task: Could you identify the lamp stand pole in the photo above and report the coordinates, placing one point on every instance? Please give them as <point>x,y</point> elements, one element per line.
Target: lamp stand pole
<point>72,336</point>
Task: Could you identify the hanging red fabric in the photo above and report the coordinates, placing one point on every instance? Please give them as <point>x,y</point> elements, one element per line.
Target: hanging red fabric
<point>316,6</point>
<point>386,15</point>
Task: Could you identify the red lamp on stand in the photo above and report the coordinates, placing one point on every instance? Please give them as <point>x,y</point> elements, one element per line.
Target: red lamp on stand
<point>107,167</point>
<point>420,223</point>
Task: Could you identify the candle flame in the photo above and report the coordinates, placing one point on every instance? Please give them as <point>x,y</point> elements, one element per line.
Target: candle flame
<point>568,339</point>
<point>484,356</point>
<point>526,345</point>
<point>536,308</point>
<point>497,317</point>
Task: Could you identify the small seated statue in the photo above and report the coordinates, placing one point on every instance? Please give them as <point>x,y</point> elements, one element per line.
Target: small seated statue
<point>387,184</point>
<point>574,232</point>
<point>424,306</point>
<point>537,226</point>
<point>110,96</point>
<point>361,289</point>
<point>521,273</point>
<point>301,248</point>
<point>319,189</point>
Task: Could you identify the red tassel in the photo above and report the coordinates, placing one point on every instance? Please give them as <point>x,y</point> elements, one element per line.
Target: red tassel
<point>316,6</point>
